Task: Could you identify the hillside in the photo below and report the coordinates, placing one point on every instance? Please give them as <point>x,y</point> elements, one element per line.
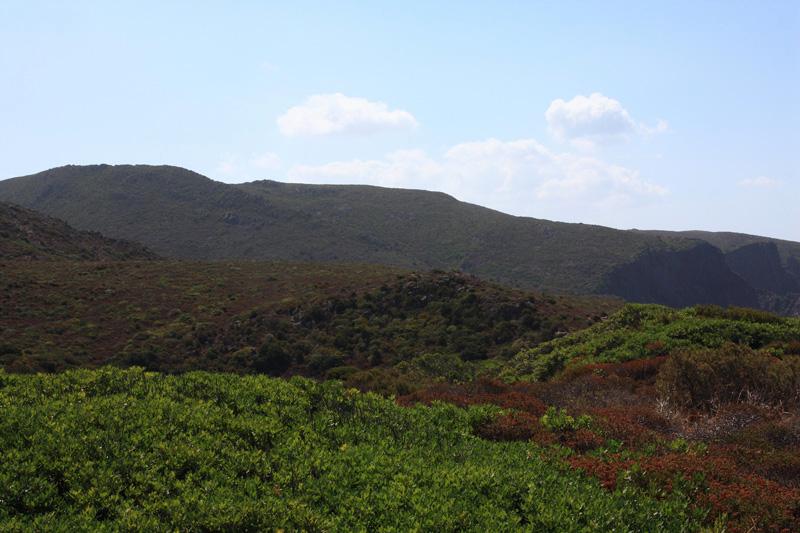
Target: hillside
<point>349,321</point>
<point>28,235</point>
<point>651,418</point>
<point>181,214</point>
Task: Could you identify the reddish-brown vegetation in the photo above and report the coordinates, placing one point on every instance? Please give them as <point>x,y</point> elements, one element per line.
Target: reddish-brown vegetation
<point>742,457</point>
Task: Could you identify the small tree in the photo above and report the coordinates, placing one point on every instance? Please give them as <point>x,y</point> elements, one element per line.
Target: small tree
<point>272,358</point>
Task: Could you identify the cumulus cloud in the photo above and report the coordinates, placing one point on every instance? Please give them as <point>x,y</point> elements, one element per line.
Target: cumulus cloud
<point>759,182</point>
<point>595,119</point>
<point>401,168</point>
<point>326,114</point>
<point>505,174</point>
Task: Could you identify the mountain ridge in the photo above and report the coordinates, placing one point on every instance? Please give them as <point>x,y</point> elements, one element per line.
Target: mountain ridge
<point>182,214</point>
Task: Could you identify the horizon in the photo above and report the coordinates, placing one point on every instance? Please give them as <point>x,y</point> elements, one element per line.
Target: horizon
<point>400,188</point>
<point>678,117</point>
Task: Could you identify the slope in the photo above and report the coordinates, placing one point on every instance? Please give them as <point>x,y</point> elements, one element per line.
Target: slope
<point>28,235</point>
<point>275,318</point>
<point>182,214</point>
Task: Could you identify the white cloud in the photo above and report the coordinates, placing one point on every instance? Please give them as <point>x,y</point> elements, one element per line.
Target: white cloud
<point>326,114</point>
<point>760,182</point>
<point>402,168</point>
<point>586,121</point>
<point>510,175</point>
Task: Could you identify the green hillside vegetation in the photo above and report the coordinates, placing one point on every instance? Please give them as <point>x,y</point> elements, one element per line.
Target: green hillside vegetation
<point>29,235</point>
<point>603,417</point>
<point>354,322</point>
<point>129,450</point>
<point>661,397</point>
<point>640,331</point>
<point>181,214</point>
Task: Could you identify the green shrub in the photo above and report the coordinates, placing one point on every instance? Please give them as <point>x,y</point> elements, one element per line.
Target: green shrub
<point>638,331</point>
<point>320,363</point>
<point>558,420</point>
<point>272,358</point>
<point>116,450</point>
<point>704,377</point>
<point>341,372</point>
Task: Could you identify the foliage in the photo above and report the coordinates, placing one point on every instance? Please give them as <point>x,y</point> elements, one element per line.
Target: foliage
<point>558,420</point>
<point>639,331</point>
<point>28,235</point>
<point>704,378</point>
<point>741,459</point>
<point>133,450</point>
<point>274,318</point>
<point>181,214</point>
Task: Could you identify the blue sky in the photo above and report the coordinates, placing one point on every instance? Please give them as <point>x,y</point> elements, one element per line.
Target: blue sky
<point>673,115</point>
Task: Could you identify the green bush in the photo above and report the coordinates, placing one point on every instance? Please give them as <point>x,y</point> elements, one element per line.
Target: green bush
<point>272,358</point>
<point>116,450</point>
<point>341,372</point>
<point>705,377</point>
<point>638,331</point>
<point>558,420</point>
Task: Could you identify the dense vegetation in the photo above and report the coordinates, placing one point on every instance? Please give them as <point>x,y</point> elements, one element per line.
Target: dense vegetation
<point>654,395</point>
<point>130,450</point>
<point>28,235</point>
<point>640,331</point>
<point>512,409</point>
<point>182,214</point>
<point>354,322</point>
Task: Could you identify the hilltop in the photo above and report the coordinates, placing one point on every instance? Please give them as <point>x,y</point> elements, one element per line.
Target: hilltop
<point>29,235</point>
<point>182,214</point>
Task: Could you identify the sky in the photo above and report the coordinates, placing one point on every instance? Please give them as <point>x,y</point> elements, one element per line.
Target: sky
<point>652,115</point>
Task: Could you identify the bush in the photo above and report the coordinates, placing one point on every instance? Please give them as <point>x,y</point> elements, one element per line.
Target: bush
<point>641,331</point>
<point>320,363</point>
<point>558,420</point>
<point>114,450</point>
<point>272,358</point>
<point>703,378</point>
<point>341,372</point>
<point>737,313</point>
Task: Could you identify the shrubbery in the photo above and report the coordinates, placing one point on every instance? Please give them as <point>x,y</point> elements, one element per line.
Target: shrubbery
<point>558,420</point>
<point>706,377</point>
<point>639,331</point>
<point>131,450</point>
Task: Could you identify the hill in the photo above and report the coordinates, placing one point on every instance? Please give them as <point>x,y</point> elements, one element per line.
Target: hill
<point>28,235</point>
<point>355,322</point>
<point>181,214</point>
<point>651,418</point>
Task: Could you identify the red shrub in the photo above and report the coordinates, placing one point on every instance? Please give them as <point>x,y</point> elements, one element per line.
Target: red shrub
<point>480,392</point>
<point>606,472</point>
<point>581,440</point>
<point>513,426</point>
<point>635,426</point>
